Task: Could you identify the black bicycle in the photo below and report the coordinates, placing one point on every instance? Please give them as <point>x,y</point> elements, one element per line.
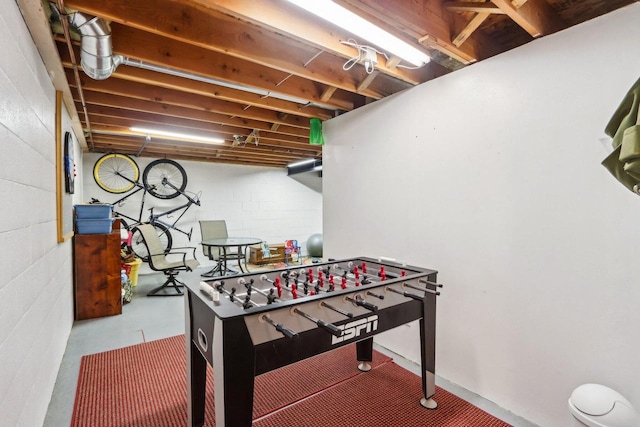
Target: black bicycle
<point>162,178</point>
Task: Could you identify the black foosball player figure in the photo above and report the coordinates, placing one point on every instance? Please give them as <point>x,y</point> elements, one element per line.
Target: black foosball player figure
<point>271,297</point>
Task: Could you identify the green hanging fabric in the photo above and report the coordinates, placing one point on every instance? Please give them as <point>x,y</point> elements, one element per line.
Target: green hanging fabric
<point>624,128</point>
<point>315,135</point>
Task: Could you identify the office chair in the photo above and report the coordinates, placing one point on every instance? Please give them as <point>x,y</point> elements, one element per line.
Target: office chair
<point>158,261</point>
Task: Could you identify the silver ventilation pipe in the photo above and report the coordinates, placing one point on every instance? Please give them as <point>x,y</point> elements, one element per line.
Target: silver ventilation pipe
<point>96,56</point>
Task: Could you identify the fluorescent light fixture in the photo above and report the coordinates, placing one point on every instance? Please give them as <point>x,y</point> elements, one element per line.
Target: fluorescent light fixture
<point>177,135</point>
<point>300,163</point>
<point>344,18</point>
<point>309,165</point>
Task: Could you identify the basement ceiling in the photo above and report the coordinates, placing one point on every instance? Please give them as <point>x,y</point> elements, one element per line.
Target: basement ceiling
<point>254,73</point>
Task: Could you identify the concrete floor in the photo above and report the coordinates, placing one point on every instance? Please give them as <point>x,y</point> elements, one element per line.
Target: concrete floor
<point>152,318</point>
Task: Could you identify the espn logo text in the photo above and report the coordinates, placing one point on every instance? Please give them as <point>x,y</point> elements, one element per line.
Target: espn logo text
<point>356,328</point>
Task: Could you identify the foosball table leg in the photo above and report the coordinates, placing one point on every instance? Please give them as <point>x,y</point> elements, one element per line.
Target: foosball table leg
<point>428,350</point>
<point>196,376</point>
<point>364,352</point>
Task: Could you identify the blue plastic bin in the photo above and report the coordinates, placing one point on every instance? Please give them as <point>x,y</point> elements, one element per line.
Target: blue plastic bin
<point>94,226</point>
<point>97,211</point>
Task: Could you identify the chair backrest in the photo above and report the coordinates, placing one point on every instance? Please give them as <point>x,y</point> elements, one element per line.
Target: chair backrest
<point>291,247</point>
<point>212,229</point>
<point>156,251</point>
<point>265,249</point>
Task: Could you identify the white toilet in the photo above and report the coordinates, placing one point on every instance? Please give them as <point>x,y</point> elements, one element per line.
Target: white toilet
<point>595,405</point>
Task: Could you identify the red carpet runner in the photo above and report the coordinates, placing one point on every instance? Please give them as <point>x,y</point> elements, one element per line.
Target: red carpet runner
<point>144,386</point>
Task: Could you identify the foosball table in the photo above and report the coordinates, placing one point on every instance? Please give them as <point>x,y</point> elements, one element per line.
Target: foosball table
<point>251,324</point>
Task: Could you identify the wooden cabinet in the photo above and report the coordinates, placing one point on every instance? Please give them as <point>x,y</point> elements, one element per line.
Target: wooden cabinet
<point>97,265</point>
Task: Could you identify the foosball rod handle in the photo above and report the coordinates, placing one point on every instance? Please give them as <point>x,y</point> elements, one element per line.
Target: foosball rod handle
<point>427,282</point>
<point>427,290</point>
<point>361,303</point>
<point>285,331</point>
<point>329,327</point>
<point>280,327</point>
<point>405,294</point>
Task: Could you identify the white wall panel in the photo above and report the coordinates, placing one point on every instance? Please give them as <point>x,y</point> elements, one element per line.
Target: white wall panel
<point>492,176</point>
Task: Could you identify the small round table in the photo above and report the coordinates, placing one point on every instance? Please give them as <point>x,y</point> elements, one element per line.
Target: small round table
<point>225,243</point>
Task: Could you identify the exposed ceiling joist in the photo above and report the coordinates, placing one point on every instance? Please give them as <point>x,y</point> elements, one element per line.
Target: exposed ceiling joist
<point>535,16</point>
<point>256,72</point>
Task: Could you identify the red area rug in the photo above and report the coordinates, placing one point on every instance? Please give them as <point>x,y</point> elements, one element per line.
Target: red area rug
<point>145,386</point>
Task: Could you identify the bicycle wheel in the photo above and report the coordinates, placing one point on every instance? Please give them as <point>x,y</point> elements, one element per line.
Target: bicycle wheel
<point>137,242</point>
<point>116,173</point>
<point>164,179</point>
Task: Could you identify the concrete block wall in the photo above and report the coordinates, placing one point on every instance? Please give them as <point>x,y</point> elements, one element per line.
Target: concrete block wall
<point>255,201</point>
<point>36,309</point>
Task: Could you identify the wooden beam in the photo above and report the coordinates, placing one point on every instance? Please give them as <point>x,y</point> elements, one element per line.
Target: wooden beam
<point>187,123</point>
<point>228,40</point>
<point>393,62</point>
<point>418,19</point>
<point>214,91</point>
<point>199,148</point>
<point>279,16</point>
<point>125,123</point>
<point>367,81</point>
<point>107,104</point>
<point>143,46</point>
<point>473,25</point>
<point>467,6</point>
<point>535,16</point>
<point>183,99</point>
<point>428,22</point>
<point>328,93</point>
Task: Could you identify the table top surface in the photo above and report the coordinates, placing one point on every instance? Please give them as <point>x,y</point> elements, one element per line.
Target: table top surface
<point>232,241</point>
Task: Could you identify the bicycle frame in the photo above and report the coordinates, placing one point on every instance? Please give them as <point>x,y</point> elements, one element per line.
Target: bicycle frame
<point>190,201</point>
<point>140,187</point>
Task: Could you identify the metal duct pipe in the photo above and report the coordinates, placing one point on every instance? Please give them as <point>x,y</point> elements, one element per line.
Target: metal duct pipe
<point>96,52</point>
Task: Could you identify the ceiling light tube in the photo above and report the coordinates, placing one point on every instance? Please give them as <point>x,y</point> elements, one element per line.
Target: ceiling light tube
<point>344,18</point>
<point>177,135</point>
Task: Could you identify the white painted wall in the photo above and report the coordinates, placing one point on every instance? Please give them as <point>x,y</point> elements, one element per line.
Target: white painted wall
<point>492,176</point>
<point>36,297</point>
<point>255,201</point>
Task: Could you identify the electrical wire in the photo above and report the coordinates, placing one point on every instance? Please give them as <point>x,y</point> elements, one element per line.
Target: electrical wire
<point>369,66</point>
<point>361,57</point>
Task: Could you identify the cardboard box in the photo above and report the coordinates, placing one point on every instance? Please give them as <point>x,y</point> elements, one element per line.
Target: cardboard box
<point>277,254</point>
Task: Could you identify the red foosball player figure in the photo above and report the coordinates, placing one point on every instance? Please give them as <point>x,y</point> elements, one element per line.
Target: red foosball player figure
<point>278,286</point>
